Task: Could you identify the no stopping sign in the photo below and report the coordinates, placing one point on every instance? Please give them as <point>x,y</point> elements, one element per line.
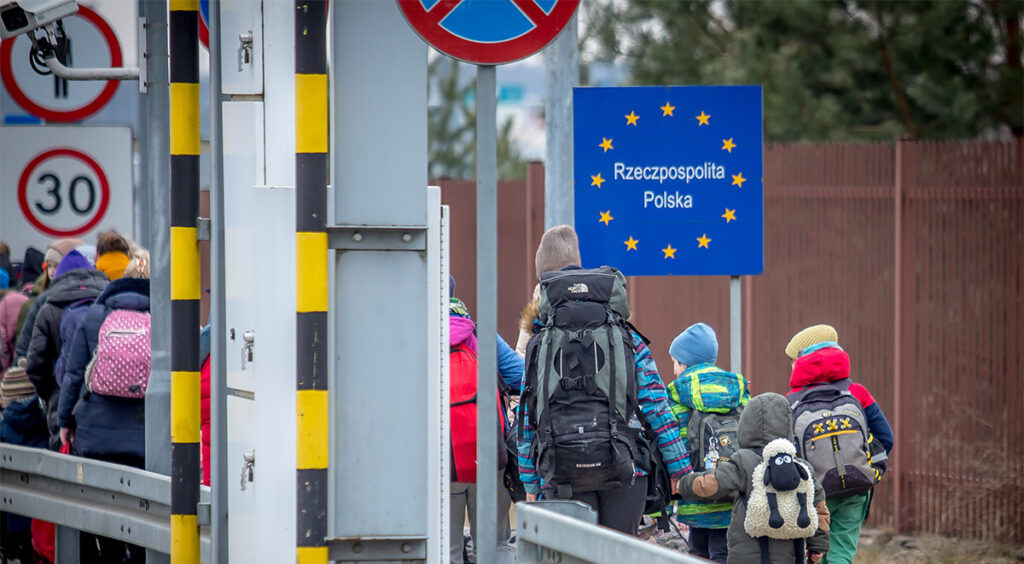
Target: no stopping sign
<point>63,192</point>
<point>93,43</point>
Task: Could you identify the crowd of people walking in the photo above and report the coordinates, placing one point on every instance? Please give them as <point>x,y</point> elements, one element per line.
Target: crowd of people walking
<point>75,349</point>
<point>584,412</point>
<point>769,479</point>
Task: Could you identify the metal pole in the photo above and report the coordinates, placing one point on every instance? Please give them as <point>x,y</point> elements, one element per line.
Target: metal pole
<point>311,382</point>
<point>563,73</point>
<point>61,71</point>
<point>157,184</point>
<point>185,286</point>
<point>486,313</point>
<point>735,325</point>
<point>141,209</point>
<point>67,545</point>
<point>219,541</point>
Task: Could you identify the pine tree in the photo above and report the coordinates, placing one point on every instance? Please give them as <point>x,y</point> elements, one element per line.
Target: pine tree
<point>451,127</point>
<point>836,69</point>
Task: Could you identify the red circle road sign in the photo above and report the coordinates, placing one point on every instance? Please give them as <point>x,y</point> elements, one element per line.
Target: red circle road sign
<point>75,114</point>
<point>94,217</point>
<point>488,32</point>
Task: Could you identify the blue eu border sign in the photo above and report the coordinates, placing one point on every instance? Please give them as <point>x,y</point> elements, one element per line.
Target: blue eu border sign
<point>669,179</point>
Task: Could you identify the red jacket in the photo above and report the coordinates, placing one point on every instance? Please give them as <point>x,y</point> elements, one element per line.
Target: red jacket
<point>826,365</point>
<point>204,418</point>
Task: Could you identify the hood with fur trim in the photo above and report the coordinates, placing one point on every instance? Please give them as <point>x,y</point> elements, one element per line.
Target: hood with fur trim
<point>529,315</point>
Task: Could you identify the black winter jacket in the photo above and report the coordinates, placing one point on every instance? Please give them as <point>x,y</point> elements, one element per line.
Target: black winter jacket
<point>44,348</point>
<point>104,426</point>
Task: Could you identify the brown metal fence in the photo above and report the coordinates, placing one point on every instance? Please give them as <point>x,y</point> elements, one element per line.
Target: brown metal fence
<point>913,251</point>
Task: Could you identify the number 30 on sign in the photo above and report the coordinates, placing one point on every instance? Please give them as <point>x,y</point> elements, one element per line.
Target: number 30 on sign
<point>63,192</point>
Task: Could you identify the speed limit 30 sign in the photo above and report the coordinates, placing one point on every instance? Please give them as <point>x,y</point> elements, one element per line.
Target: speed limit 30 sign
<point>67,182</point>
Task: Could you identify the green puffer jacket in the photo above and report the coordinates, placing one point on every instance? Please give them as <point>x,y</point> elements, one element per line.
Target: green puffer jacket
<point>766,417</point>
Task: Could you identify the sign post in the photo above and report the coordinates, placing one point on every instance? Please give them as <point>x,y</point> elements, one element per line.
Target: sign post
<point>669,182</point>
<point>67,182</point>
<point>487,33</point>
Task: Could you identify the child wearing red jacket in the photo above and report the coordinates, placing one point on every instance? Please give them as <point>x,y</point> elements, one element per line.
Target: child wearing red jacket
<point>818,359</point>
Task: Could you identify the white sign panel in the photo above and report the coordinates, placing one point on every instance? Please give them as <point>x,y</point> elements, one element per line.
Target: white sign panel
<point>60,182</point>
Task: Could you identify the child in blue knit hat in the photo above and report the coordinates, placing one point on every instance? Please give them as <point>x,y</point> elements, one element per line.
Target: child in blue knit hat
<point>706,402</point>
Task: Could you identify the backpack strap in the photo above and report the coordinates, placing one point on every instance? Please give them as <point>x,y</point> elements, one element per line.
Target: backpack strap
<point>633,328</point>
<point>528,397</point>
<point>615,351</point>
<point>762,543</point>
<point>643,420</point>
<point>546,347</point>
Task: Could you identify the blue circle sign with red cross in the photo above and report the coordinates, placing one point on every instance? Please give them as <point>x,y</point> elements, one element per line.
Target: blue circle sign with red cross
<point>488,32</point>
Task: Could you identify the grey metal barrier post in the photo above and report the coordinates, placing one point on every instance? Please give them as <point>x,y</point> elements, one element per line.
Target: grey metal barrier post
<point>562,64</point>
<point>735,325</point>
<point>218,308</point>
<point>486,311</point>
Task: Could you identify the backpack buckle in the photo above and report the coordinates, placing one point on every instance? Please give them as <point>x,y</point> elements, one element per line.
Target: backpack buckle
<point>577,383</point>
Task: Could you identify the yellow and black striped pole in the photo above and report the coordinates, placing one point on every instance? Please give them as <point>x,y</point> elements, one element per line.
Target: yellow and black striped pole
<point>311,290</point>
<point>184,105</point>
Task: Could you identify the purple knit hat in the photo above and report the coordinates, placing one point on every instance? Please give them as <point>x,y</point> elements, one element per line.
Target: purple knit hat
<point>73,261</point>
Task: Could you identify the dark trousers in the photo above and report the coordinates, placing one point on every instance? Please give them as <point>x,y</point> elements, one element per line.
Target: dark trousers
<point>620,508</point>
<point>709,543</point>
<point>94,549</point>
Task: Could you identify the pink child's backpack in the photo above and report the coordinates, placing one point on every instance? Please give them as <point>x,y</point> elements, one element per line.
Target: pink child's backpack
<point>120,366</point>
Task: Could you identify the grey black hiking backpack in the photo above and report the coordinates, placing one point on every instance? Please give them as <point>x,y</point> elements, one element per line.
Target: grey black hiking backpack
<point>713,437</point>
<point>580,388</point>
<point>832,434</point>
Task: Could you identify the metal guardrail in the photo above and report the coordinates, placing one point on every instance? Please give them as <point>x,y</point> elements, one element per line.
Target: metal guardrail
<point>115,501</point>
<point>545,535</point>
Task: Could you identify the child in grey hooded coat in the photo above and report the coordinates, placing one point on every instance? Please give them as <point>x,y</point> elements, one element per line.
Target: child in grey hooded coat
<point>767,417</point>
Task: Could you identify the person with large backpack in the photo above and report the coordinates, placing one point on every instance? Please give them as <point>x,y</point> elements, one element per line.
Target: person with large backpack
<point>591,387</point>
<point>74,280</point>
<point>840,429</point>
<point>465,402</point>
<point>778,515</point>
<point>707,402</point>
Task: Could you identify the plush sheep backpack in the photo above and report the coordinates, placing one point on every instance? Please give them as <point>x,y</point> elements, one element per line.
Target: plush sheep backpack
<point>780,504</point>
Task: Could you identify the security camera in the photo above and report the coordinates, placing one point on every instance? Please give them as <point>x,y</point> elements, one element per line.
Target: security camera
<point>23,16</point>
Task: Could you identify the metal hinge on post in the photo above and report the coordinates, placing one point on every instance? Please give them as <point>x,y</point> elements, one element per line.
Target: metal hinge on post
<point>203,514</point>
<point>203,228</point>
<point>143,57</point>
<point>377,238</point>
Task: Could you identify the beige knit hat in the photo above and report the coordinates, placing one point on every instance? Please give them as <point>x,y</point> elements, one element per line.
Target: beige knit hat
<point>559,248</point>
<point>56,251</point>
<point>15,386</point>
<point>810,336</point>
